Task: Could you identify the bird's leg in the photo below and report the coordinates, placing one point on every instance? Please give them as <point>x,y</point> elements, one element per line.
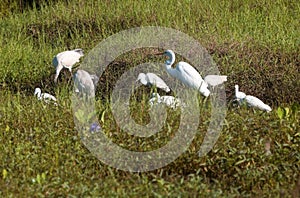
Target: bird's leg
<point>70,70</point>
<point>58,69</point>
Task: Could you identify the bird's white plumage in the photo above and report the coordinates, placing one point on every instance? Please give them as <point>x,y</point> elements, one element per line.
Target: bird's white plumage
<point>189,76</point>
<point>66,59</point>
<point>44,96</point>
<point>152,79</point>
<point>84,83</point>
<point>255,102</point>
<point>214,80</point>
<point>251,101</point>
<point>170,101</point>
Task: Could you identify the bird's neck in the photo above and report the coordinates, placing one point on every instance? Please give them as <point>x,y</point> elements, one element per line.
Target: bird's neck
<point>236,90</point>
<point>38,94</point>
<point>171,70</point>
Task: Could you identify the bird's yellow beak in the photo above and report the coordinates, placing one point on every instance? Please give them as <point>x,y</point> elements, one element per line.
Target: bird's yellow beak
<point>159,53</point>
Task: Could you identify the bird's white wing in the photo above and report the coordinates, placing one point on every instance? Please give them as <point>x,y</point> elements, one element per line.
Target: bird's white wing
<point>214,80</point>
<point>47,96</point>
<point>170,101</point>
<point>157,81</point>
<point>189,75</point>
<point>142,78</point>
<point>69,58</point>
<point>189,70</point>
<point>256,102</point>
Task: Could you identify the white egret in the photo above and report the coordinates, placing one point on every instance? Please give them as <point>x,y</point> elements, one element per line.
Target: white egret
<point>44,96</point>
<point>84,83</point>
<point>189,76</point>
<point>170,101</point>
<point>152,79</point>
<point>66,59</point>
<point>251,101</point>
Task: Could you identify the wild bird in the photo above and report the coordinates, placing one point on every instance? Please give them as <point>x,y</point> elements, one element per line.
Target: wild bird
<point>189,76</point>
<point>170,101</point>
<point>84,83</point>
<point>44,96</point>
<point>251,101</point>
<point>66,59</point>
<point>151,79</point>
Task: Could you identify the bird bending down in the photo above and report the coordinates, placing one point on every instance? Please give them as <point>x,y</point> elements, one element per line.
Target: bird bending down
<point>151,79</point>
<point>251,101</point>
<point>44,96</point>
<point>189,76</point>
<point>170,101</point>
<point>66,59</point>
<point>84,83</point>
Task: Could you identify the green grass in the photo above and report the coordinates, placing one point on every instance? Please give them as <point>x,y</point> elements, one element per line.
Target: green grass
<point>255,43</point>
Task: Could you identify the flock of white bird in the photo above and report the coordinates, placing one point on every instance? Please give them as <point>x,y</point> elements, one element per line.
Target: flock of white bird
<point>85,83</point>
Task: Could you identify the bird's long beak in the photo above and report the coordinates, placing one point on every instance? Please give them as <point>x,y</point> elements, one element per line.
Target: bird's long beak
<point>159,53</point>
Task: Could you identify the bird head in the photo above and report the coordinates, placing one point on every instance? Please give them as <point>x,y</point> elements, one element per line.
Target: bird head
<point>37,91</point>
<point>170,54</point>
<point>142,79</point>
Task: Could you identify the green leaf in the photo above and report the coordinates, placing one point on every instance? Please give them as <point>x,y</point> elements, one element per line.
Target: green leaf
<point>280,113</point>
<point>287,111</point>
<point>4,173</point>
<point>102,116</point>
<point>38,178</point>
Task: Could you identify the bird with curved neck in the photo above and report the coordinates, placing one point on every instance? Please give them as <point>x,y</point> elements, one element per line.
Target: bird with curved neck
<point>44,96</point>
<point>189,76</point>
<point>251,101</point>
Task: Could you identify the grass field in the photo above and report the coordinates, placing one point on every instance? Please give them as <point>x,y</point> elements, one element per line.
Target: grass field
<point>256,43</point>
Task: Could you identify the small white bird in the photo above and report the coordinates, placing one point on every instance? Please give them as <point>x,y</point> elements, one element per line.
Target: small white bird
<point>251,101</point>
<point>151,79</point>
<point>84,83</point>
<point>44,96</point>
<point>66,59</point>
<point>170,101</point>
<point>189,76</point>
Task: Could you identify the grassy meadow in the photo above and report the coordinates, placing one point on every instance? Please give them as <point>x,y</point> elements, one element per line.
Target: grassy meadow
<point>256,43</point>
